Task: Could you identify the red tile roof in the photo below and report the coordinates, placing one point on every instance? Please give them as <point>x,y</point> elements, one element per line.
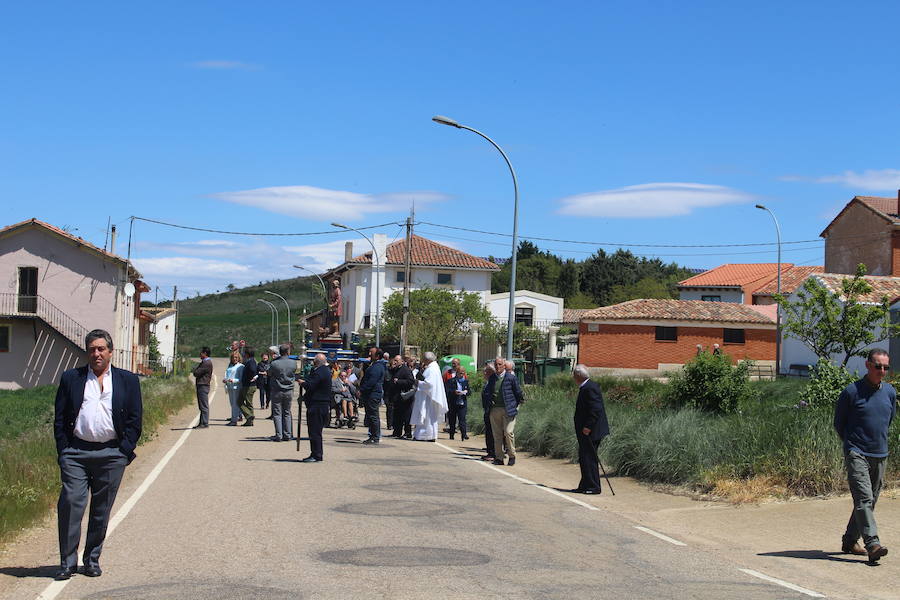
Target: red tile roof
<point>791,278</point>
<point>881,286</point>
<point>887,206</point>
<point>425,253</point>
<point>679,310</point>
<point>734,275</point>
<point>573,315</point>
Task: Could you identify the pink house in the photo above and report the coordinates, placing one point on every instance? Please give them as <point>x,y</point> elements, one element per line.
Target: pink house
<point>57,288</point>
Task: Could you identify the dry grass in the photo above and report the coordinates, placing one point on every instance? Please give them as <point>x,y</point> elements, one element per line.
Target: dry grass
<point>755,490</point>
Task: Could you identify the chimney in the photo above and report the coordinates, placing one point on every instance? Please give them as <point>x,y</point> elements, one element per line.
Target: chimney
<point>112,240</point>
<point>348,248</point>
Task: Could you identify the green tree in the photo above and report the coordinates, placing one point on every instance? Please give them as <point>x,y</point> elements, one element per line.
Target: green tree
<point>647,287</point>
<point>437,317</point>
<point>568,282</point>
<point>841,323</point>
<point>153,354</point>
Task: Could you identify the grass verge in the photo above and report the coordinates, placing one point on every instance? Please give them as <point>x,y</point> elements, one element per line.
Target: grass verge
<point>29,473</point>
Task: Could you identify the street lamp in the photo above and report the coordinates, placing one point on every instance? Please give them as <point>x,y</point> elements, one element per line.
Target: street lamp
<point>376,265</point>
<point>515,235</point>
<point>778,288</point>
<point>274,316</point>
<point>288,311</point>
<point>324,288</point>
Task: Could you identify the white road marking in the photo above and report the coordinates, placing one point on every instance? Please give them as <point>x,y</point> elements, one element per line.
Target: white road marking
<point>53,590</point>
<point>789,586</point>
<point>522,479</point>
<point>660,536</point>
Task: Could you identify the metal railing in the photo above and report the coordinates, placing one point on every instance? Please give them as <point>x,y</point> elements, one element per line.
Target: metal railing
<point>14,305</point>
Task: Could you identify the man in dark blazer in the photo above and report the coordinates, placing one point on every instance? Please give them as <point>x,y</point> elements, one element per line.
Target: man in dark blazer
<point>591,427</point>
<point>203,375</point>
<point>97,424</point>
<point>318,405</point>
<point>248,385</point>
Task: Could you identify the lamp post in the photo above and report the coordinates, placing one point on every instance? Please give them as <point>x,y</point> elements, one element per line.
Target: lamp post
<point>274,316</point>
<point>778,288</point>
<point>376,265</point>
<point>324,288</point>
<point>288,312</point>
<point>515,235</point>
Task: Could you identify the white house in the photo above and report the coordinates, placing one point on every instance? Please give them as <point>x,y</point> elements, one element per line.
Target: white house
<point>795,352</point>
<point>433,265</point>
<point>532,308</point>
<point>58,288</point>
<point>163,327</point>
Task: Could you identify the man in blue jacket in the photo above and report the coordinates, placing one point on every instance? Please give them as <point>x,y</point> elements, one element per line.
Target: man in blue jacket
<point>862,416</point>
<point>372,391</point>
<point>97,424</point>
<point>507,396</point>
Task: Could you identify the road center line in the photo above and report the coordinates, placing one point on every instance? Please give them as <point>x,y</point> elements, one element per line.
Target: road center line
<point>53,590</point>
<point>789,586</point>
<point>659,535</point>
<point>517,478</point>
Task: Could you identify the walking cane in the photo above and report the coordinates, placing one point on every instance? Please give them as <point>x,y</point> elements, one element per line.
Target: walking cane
<point>599,462</point>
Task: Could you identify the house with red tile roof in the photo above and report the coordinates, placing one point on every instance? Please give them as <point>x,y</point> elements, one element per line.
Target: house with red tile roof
<point>59,287</point>
<point>729,282</point>
<point>649,337</point>
<point>867,231</point>
<point>431,265</point>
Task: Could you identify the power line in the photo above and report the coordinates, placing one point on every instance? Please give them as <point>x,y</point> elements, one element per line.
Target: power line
<point>206,230</point>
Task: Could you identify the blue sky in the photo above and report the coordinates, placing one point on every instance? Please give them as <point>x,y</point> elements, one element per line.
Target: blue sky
<point>627,122</point>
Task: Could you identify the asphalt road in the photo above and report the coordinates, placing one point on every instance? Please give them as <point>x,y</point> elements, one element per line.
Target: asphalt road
<point>235,515</point>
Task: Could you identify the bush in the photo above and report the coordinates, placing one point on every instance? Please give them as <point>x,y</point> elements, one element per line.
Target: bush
<point>710,383</point>
<point>826,382</point>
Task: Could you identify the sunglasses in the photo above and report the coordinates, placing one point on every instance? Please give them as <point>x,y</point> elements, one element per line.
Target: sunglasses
<point>880,367</point>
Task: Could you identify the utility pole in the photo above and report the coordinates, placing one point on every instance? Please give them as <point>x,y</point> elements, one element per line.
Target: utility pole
<point>403,328</point>
<point>175,306</point>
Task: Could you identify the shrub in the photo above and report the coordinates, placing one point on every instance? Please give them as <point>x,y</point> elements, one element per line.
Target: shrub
<point>710,383</point>
<point>826,382</point>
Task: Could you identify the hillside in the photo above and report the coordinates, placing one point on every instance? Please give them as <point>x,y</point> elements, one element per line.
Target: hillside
<point>215,319</point>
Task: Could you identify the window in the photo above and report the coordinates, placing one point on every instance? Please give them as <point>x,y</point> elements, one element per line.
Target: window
<point>711,298</point>
<point>593,327</point>
<point>525,314</point>
<point>666,334</point>
<point>445,278</point>
<point>5,331</point>
<point>733,336</point>
<point>28,280</point>
<point>401,276</point>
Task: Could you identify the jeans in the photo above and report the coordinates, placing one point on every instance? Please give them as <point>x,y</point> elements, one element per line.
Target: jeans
<point>373,418</point>
<point>865,475</point>
<point>263,397</point>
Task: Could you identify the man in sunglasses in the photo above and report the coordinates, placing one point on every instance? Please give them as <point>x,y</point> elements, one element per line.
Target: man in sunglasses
<point>862,416</point>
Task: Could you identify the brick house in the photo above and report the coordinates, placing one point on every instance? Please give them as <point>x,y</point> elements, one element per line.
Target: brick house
<point>650,336</point>
<point>867,230</point>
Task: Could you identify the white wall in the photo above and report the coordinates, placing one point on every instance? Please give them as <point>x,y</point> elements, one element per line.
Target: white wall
<point>736,296</point>
<point>544,308</point>
<point>164,330</point>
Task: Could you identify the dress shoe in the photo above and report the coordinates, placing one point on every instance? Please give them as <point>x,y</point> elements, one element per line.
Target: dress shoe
<point>465,437</point>
<point>498,461</point>
<point>511,462</point>
<point>200,426</point>
<point>370,441</point>
<point>876,551</point>
<point>231,424</point>
<point>590,492</point>
<point>487,458</point>
<point>92,571</point>
<point>275,438</point>
<point>249,423</point>
<point>451,436</point>
<point>270,418</point>
<point>853,548</point>
<point>311,459</point>
<point>288,438</point>
<point>65,573</point>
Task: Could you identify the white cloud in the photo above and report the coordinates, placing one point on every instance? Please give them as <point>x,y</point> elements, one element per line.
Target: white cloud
<point>223,65</point>
<point>324,256</point>
<point>321,204</point>
<point>870,179</point>
<point>190,268</point>
<point>203,248</point>
<point>651,200</point>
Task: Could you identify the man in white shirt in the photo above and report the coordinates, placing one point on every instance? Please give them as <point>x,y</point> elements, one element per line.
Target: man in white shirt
<point>97,424</point>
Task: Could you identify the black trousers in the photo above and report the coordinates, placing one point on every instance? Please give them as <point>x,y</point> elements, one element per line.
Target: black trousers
<point>316,417</point>
<point>402,415</point>
<point>488,434</point>
<point>373,418</point>
<point>457,413</point>
<point>588,462</point>
<point>263,396</point>
<point>389,408</point>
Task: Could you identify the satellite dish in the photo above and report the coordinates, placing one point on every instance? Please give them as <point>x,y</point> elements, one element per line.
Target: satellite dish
<point>129,289</point>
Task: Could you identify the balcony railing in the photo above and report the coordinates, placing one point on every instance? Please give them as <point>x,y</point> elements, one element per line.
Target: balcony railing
<point>14,305</point>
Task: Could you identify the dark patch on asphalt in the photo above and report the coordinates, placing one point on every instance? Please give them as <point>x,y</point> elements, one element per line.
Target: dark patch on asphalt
<point>389,462</point>
<point>188,589</point>
<point>399,508</point>
<point>424,487</point>
<point>405,556</point>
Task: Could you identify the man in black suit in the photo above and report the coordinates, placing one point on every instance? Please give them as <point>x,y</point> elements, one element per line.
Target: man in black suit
<point>591,427</point>
<point>318,405</point>
<point>97,424</point>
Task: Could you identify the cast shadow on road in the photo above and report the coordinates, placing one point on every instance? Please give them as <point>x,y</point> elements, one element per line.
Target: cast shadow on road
<point>347,440</point>
<point>814,555</point>
<point>287,460</point>
<point>267,438</point>
<point>48,572</point>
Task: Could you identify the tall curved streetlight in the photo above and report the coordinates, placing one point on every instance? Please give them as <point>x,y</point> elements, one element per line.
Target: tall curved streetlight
<point>778,288</point>
<point>515,234</point>
<point>288,312</point>
<point>324,288</point>
<point>376,265</point>
<point>274,316</point>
